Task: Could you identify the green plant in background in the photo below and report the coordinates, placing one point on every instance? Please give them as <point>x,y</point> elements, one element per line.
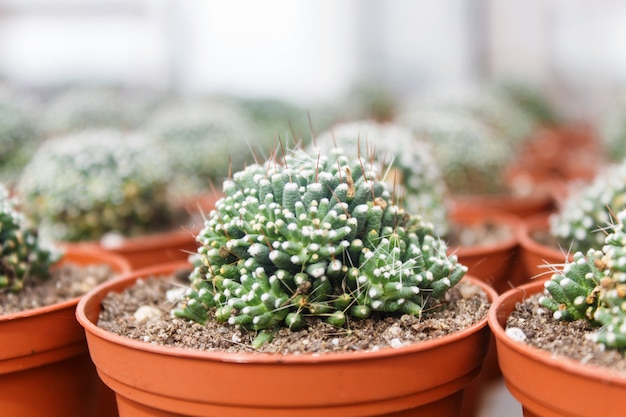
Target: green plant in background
<point>590,209</point>
<point>85,185</point>
<point>530,99</point>
<point>314,236</point>
<point>21,255</point>
<point>612,131</point>
<point>206,140</point>
<point>593,288</point>
<point>471,156</point>
<point>78,108</point>
<point>407,163</point>
<point>19,134</point>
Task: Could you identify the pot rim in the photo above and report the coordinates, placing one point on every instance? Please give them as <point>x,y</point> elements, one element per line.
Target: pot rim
<point>543,356</point>
<point>112,259</point>
<point>124,281</point>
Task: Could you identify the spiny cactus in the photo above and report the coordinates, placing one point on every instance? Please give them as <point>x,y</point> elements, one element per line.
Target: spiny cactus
<point>18,134</point>
<point>471,156</point>
<point>314,236</point>
<point>407,163</point>
<point>578,223</point>
<point>205,139</point>
<point>85,185</point>
<point>21,255</point>
<point>593,288</point>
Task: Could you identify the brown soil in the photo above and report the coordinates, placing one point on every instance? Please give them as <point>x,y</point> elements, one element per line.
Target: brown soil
<point>478,234</point>
<point>569,339</point>
<point>67,282</point>
<point>468,304</point>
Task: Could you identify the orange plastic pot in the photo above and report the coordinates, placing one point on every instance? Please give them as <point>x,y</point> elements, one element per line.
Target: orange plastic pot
<point>536,257</point>
<point>549,386</point>
<point>520,206</point>
<point>45,368</point>
<point>424,379</point>
<point>493,263</point>
<point>143,251</point>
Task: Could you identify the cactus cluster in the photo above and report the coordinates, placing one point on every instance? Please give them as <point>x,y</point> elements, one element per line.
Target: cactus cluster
<point>204,140</point>
<point>21,255</point>
<point>85,185</point>
<point>471,157</point>
<point>590,209</point>
<point>593,288</point>
<point>314,236</point>
<point>18,134</point>
<point>407,163</point>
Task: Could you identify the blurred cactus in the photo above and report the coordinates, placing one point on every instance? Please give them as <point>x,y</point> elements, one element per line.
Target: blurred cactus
<point>204,140</point>
<point>471,157</point>
<point>85,185</point>
<point>593,288</point>
<point>21,257</point>
<point>314,236</point>
<point>612,131</point>
<point>530,99</point>
<point>19,134</point>
<point>79,108</point>
<point>407,163</point>
<point>587,211</point>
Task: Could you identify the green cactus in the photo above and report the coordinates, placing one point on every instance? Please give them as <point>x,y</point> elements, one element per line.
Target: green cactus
<point>78,108</point>
<point>471,156</point>
<point>206,139</point>
<point>85,185</point>
<point>593,288</point>
<point>579,222</point>
<point>18,134</point>
<point>314,236</point>
<point>408,165</point>
<point>611,129</point>
<point>21,255</point>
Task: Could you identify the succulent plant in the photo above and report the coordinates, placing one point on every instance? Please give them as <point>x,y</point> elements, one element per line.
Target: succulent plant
<point>205,140</point>
<point>85,185</point>
<point>79,108</point>
<point>18,134</point>
<point>22,257</point>
<point>590,209</point>
<point>470,155</point>
<point>593,288</point>
<point>612,131</point>
<point>530,99</point>
<point>314,236</point>
<point>408,165</point>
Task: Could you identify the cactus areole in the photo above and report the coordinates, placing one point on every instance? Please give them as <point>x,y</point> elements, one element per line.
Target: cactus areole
<point>314,236</point>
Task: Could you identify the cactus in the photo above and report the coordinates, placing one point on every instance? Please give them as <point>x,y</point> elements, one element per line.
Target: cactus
<point>593,288</point>
<point>471,156</point>
<point>314,236</point>
<point>85,185</point>
<point>579,222</point>
<point>408,165</point>
<point>612,130</point>
<point>92,107</point>
<point>205,140</point>
<point>21,257</point>
<point>18,135</point>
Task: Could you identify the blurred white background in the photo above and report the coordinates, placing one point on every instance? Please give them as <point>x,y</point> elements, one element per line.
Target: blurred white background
<point>317,49</point>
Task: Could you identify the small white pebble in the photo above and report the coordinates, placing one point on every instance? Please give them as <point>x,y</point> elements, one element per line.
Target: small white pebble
<point>236,338</point>
<point>469,291</point>
<point>176,294</point>
<point>395,343</point>
<point>335,342</point>
<point>516,334</point>
<point>112,240</point>
<point>146,312</point>
<point>146,338</point>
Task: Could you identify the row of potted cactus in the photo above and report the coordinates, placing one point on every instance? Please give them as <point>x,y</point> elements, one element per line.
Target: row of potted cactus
<point>316,233</point>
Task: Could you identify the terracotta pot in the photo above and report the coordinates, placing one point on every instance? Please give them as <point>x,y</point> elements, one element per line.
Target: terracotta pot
<point>143,251</point>
<point>549,386</point>
<point>534,255</point>
<point>520,206</point>
<point>495,262</point>
<point>425,379</point>
<point>45,368</point>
